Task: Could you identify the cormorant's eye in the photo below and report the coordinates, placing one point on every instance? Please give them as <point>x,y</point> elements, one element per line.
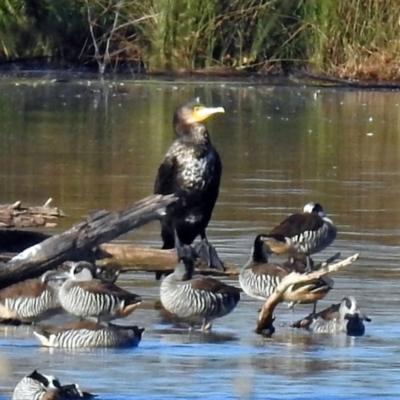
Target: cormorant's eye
<point>78,269</point>
<point>196,109</point>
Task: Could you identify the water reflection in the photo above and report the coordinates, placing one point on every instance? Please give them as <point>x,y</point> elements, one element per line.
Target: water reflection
<point>193,337</point>
<point>91,147</point>
<point>101,147</point>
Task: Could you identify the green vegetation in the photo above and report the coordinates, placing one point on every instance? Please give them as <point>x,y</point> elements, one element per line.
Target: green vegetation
<point>353,38</point>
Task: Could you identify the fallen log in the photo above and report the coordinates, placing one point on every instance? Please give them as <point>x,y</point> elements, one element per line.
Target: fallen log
<point>144,258</point>
<point>79,242</point>
<point>266,316</point>
<point>131,257</point>
<point>16,216</point>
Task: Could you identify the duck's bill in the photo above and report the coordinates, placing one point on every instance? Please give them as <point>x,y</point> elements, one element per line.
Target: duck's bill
<point>60,275</point>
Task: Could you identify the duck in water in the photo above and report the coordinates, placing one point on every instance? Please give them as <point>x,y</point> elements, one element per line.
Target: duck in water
<point>37,386</point>
<point>342,317</point>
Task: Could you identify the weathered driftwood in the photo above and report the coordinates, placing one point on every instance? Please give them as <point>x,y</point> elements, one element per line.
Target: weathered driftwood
<point>14,215</point>
<point>144,258</point>
<point>266,316</point>
<point>79,242</point>
<point>131,257</point>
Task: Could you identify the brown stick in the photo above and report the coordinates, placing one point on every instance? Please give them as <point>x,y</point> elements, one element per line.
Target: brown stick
<point>140,255</point>
<point>143,258</point>
<point>266,317</point>
<point>79,241</point>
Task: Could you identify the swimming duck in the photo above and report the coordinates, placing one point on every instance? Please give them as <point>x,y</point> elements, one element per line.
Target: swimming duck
<point>342,317</point>
<point>309,232</point>
<point>30,301</point>
<point>192,170</point>
<point>259,277</point>
<point>84,334</point>
<point>37,386</point>
<point>86,297</point>
<point>199,299</point>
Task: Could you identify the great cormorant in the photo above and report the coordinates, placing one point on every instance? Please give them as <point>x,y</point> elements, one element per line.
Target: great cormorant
<point>192,171</point>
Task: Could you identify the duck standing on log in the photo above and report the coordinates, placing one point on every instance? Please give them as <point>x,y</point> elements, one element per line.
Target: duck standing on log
<point>308,232</point>
<point>191,170</point>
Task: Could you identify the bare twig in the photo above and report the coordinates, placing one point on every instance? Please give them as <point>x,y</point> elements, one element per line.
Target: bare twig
<point>106,38</point>
<point>330,260</point>
<point>134,22</point>
<point>49,200</point>
<point>96,47</point>
<point>110,35</point>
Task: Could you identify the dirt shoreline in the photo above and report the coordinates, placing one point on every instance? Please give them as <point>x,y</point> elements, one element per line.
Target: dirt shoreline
<point>218,74</point>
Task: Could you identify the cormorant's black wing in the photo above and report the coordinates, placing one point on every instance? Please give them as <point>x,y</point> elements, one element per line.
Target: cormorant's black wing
<point>216,178</point>
<point>166,177</point>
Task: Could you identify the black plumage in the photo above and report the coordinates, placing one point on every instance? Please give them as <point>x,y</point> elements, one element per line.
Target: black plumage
<point>191,170</point>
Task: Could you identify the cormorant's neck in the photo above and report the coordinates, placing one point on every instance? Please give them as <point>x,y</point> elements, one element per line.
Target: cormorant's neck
<point>192,133</point>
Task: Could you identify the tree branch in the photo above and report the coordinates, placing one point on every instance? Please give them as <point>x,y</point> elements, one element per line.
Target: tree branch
<point>80,241</point>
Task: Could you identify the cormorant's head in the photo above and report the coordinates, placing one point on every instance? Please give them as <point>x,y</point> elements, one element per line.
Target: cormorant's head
<point>192,113</point>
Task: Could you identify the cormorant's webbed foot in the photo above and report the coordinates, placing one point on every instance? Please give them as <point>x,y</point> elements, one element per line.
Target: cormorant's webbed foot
<point>206,252</point>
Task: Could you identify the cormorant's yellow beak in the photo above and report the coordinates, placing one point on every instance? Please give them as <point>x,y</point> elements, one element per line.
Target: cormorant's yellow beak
<point>201,113</point>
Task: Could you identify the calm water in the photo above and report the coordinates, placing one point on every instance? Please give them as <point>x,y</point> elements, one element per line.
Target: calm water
<point>90,146</point>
